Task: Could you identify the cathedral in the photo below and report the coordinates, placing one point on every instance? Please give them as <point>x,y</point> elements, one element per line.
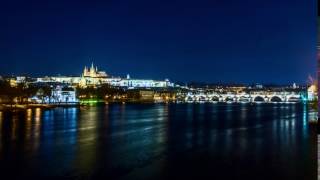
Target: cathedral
<point>93,72</point>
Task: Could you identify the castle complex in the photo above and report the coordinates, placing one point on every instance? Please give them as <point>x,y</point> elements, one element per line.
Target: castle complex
<point>93,77</point>
<point>93,72</point>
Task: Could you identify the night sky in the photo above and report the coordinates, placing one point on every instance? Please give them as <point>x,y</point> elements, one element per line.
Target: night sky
<point>234,41</point>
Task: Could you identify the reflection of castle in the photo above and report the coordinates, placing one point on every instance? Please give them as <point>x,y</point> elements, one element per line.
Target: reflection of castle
<point>93,72</point>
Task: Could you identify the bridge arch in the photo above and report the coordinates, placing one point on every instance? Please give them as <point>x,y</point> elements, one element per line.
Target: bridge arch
<point>294,99</point>
<point>259,99</point>
<point>190,98</point>
<point>243,99</point>
<point>229,99</point>
<point>214,98</point>
<point>275,99</point>
<point>202,98</point>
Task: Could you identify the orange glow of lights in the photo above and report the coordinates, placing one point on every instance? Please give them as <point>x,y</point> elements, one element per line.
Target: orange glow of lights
<point>38,115</point>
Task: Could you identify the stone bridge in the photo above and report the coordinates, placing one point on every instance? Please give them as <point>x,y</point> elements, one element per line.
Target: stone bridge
<point>245,97</point>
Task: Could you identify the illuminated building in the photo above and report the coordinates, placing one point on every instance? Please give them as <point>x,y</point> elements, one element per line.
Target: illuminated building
<point>59,95</point>
<point>93,72</point>
<point>13,82</point>
<point>93,77</point>
<point>139,83</point>
<point>146,95</point>
<point>312,93</point>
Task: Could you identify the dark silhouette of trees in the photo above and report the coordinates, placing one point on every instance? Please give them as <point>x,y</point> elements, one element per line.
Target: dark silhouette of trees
<point>20,93</point>
<point>102,92</point>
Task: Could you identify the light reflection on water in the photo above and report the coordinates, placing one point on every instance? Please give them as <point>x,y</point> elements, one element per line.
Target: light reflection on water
<point>115,140</point>
<point>1,127</point>
<point>1,122</point>
<point>14,127</point>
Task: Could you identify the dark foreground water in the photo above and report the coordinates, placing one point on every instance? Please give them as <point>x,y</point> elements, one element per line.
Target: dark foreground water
<point>157,141</point>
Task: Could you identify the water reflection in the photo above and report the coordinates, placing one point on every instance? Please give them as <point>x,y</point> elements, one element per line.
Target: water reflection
<point>87,138</point>
<point>1,127</point>
<point>160,132</point>
<point>36,128</point>
<point>14,131</point>
<point>116,140</point>
<point>28,124</point>
<point>244,111</point>
<point>1,122</point>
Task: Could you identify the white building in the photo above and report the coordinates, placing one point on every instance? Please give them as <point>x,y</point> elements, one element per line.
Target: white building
<point>312,93</point>
<point>59,95</point>
<point>141,83</point>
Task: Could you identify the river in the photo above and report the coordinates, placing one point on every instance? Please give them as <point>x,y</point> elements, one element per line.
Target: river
<point>144,141</point>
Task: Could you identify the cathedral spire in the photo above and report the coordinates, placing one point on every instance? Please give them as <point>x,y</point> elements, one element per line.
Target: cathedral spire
<point>85,70</point>
<point>92,70</point>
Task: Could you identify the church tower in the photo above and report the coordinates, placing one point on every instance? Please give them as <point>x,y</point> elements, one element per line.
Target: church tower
<point>85,71</point>
<point>92,71</point>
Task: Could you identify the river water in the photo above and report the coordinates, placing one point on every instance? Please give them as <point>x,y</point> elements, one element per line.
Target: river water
<point>144,141</point>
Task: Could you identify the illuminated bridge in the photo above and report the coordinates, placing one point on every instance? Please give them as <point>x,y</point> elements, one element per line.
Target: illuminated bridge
<point>257,97</point>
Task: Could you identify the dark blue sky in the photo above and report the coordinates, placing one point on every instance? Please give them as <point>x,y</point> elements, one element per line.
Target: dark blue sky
<point>239,41</point>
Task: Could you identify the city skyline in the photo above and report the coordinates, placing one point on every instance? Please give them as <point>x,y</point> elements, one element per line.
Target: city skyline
<point>95,72</point>
<point>177,40</point>
<point>159,89</point>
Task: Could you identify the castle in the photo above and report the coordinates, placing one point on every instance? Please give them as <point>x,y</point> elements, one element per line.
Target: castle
<point>93,72</point>
<point>93,77</point>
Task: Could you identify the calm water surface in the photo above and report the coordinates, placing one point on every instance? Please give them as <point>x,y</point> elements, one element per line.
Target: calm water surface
<point>144,141</point>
